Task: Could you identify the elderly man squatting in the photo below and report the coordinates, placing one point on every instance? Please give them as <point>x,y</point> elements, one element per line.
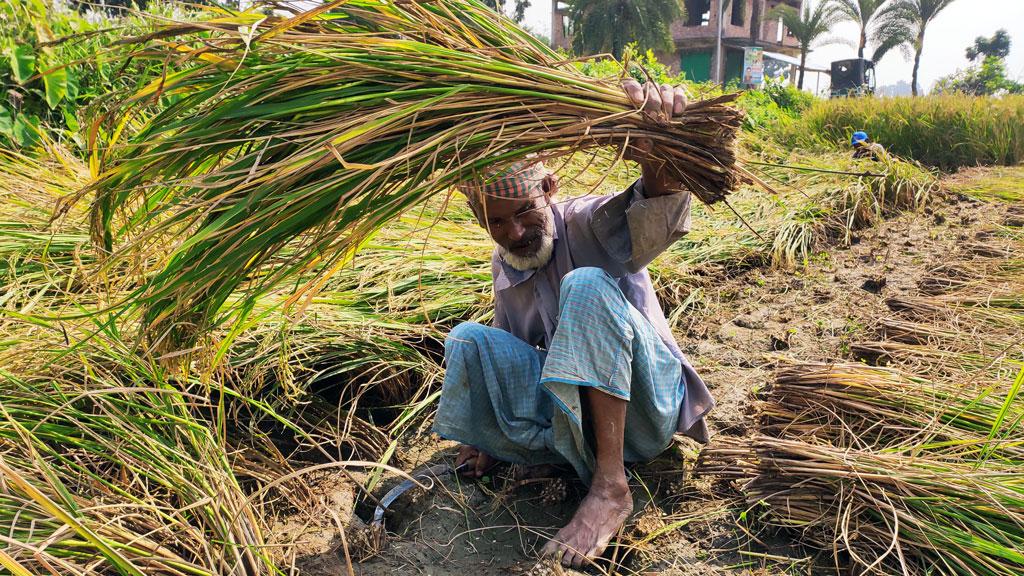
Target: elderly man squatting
<point>580,366</point>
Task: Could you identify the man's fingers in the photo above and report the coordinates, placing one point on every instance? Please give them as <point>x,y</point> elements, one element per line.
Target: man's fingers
<point>634,91</point>
<point>667,100</point>
<point>663,101</point>
<point>679,101</point>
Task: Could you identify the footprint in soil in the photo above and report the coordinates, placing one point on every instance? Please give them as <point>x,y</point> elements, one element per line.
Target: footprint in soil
<point>874,284</point>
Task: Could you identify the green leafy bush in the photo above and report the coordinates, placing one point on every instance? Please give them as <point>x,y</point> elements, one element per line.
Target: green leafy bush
<point>54,61</point>
<point>985,80</point>
<point>775,106</point>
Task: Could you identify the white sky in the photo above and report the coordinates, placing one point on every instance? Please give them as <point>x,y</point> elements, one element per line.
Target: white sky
<point>945,41</point>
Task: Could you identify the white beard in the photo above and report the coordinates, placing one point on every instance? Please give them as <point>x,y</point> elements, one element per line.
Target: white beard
<point>536,260</point>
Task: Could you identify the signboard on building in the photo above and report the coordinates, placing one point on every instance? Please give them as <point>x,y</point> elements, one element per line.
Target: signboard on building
<point>753,67</point>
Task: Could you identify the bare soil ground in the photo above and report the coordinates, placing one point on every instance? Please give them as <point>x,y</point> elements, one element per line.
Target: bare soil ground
<point>750,322</point>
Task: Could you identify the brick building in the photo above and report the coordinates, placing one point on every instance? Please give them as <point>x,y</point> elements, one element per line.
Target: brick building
<point>696,36</point>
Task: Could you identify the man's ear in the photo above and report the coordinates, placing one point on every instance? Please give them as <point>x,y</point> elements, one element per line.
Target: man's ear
<point>549,185</point>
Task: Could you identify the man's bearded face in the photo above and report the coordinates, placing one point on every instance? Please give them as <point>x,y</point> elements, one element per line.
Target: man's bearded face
<point>522,228</point>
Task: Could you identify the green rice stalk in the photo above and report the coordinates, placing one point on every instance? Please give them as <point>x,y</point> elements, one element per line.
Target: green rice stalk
<point>325,125</point>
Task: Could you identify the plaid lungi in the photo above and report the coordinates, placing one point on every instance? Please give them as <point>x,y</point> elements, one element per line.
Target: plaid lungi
<point>521,404</point>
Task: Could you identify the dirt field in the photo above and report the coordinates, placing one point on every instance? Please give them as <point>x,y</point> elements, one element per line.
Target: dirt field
<point>750,323</point>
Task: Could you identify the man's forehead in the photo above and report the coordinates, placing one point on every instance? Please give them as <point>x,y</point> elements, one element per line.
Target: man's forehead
<point>493,206</point>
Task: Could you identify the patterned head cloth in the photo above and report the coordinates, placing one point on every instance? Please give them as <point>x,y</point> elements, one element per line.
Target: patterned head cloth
<point>522,179</point>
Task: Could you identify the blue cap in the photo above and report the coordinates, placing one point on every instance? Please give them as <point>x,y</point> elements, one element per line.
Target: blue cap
<point>858,136</point>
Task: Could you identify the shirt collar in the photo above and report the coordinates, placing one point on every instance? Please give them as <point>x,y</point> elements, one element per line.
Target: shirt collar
<point>509,277</point>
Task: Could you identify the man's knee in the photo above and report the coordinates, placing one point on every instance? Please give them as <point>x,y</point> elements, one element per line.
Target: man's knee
<point>466,339</point>
<point>588,280</point>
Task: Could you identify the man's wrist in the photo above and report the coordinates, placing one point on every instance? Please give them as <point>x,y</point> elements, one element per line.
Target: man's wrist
<point>657,183</point>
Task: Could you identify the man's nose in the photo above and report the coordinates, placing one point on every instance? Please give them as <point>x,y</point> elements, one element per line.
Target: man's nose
<point>516,230</point>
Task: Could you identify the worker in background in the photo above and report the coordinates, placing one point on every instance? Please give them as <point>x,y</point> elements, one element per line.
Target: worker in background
<point>863,147</point>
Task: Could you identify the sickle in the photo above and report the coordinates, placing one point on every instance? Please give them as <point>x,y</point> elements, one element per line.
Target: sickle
<point>426,473</point>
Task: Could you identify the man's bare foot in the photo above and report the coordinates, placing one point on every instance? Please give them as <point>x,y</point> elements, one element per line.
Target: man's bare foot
<point>477,461</point>
<point>596,521</point>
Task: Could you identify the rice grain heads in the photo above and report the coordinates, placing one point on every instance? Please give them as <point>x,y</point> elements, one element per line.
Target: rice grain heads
<point>314,130</point>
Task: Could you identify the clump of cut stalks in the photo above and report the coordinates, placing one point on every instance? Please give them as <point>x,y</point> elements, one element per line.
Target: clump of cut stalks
<point>883,512</point>
<point>890,472</point>
<point>317,128</point>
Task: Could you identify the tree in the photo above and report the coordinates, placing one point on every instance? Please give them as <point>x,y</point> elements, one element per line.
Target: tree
<point>608,25</point>
<point>807,27</point>
<point>913,17</point>
<point>518,13</point>
<point>987,79</point>
<point>998,46</point>
<point>865,14</point>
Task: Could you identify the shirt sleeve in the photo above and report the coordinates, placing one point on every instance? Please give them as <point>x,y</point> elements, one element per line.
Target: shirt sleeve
<point>623,233</point>
<point>500,320</point>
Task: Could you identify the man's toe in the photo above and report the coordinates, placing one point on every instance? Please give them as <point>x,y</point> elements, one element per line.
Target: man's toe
<point>569,558</point>
<point>551,549</point>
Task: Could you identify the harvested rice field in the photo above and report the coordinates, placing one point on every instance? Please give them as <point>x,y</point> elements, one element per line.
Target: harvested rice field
<point>760,334</point>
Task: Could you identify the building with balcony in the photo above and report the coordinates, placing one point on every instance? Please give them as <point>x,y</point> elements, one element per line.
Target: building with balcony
<point>696,37</point>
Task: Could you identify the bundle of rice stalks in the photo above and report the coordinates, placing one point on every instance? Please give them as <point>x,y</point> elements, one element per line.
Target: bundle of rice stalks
<point>113,472</point>
<point>321,127</point>
<point>960,334</point>
<point>883,512</point>
<point>38,256</point>
<point>932,309</point>
<point>928,360</point>
<point>956,276</point>
<point>852,405</point>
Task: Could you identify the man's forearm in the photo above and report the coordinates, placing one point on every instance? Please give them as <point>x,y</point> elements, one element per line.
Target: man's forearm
<point>657,182</point>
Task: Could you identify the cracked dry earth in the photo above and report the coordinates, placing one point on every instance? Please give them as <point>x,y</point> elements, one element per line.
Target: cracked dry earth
<point>750,322</point>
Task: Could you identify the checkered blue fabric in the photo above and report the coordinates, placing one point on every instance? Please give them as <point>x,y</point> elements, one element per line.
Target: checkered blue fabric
<point>522,405</point>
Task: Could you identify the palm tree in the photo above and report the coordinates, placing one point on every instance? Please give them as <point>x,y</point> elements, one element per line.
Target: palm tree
<point>913,17</point>
<point>608,25</point>
<point>866,15</point>
<point>518,13</point>
<point>807,27</point>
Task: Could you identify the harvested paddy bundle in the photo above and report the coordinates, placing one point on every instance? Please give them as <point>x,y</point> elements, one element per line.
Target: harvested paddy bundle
<point>857,406</point>
<point>927,359</point>
<point>932,309</point>
<point>894,512</point>
<point>112,472</point>
<point>38,256</point>
<point>318,128</point>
